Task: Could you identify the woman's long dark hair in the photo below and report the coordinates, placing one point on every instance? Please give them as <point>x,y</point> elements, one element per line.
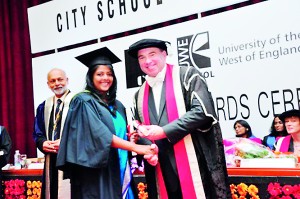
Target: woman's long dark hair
<point>111,95</point>
<point>273,131</point>
<point>246,125</point>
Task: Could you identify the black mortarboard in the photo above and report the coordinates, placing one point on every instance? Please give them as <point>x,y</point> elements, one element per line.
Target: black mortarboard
<point>290,113</point>
<point>102,56</point>
<point>146,43</point>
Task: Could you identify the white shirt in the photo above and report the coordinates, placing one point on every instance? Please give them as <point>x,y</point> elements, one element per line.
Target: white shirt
<point>156,84</point>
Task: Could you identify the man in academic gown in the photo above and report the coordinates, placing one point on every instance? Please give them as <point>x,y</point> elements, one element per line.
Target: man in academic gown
<point>176,102</point>
<point>48,125</point>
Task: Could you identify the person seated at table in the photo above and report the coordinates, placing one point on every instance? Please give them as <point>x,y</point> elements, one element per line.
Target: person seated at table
<point>277,130</point>
<point>291,142</point>
<point>5,146</point>
<point>243,130</point>
<point>5,150</point>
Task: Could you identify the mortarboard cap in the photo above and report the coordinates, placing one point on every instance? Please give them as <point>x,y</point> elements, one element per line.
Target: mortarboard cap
<point>146,43</point>
<point>290,113</point>
<point>102,56</point>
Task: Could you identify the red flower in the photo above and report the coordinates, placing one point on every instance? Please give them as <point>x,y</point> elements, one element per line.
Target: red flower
<point>274,189</point>
<point>296,193</point>
<point>284,192</point>
<point>287,189</point>
<point>14,189</point>
<point>22,197</point>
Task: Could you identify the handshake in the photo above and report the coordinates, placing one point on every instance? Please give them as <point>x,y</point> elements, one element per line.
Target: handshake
<point>151,132</point>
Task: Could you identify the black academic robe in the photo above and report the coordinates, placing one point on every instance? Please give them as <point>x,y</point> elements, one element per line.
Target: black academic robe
<point>5,146</point>
<point>40,135</point>
<point>85,154</point>
<point>207,143</point>
<point>43,127</point>
<point>5,149</point>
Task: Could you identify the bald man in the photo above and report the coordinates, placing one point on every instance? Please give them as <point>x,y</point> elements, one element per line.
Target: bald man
<point>48,125</point>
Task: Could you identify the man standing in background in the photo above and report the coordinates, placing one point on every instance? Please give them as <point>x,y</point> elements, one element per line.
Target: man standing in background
<point>48,125</point>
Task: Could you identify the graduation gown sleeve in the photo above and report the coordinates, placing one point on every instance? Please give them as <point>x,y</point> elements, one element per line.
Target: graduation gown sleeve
<point>39,133</point>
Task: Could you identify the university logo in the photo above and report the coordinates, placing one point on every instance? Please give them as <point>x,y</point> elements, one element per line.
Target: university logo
<point>191,50</point>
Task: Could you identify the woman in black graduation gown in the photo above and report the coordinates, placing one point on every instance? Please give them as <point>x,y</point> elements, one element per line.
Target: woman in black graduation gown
<point>95,128</point>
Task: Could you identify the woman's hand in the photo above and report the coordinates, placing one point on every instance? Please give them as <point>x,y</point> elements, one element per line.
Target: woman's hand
<point>146,149</point>
<point>152,159</point>
<point>132,135</point>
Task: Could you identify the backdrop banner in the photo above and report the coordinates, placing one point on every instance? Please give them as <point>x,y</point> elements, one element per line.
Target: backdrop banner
<point>70,22</point>
<point>249,57</point>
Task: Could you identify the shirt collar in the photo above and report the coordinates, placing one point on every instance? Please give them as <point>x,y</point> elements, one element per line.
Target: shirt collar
<point>159,78</point>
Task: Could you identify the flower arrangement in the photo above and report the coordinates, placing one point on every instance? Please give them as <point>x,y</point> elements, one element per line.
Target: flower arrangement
<point>14,189</point>
<point>33,189</point>
<point>243,191</point>
<point>277,191</point>
<point>142,191</point>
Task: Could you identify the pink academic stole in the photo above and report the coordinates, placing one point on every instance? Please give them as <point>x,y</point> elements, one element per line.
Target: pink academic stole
<point>284,145</point>
<point>186,161</point>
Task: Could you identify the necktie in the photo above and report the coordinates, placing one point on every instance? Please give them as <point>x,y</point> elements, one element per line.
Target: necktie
<point>58,102</point>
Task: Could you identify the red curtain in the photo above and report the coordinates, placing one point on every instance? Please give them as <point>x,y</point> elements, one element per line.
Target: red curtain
<point>16,101</point>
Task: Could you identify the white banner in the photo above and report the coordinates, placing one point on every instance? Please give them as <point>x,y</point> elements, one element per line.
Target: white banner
<point>207,5</point>
<point>57,24</point>
<point>61,23</point>
<point>249,56</point>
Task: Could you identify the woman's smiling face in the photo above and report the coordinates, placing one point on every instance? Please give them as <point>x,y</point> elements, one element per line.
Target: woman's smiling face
<point>103,78</point>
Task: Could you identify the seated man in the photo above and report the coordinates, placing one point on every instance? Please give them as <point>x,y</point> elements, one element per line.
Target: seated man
<point>290,143</point>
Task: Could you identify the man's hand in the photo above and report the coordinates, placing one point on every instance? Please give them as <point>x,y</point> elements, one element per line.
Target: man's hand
<point>151,132</point>
<point>56,144</point>
<point>51,146</point>
<point>152,159</point>
<point>146,149</point>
